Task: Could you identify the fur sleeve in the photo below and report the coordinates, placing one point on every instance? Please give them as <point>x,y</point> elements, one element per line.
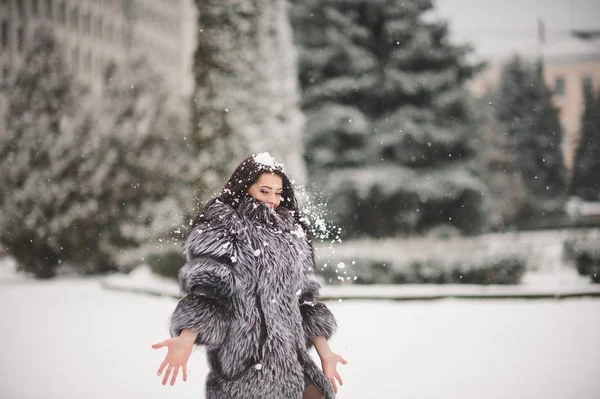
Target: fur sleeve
<point>207,282</point>
<point>204,273</point>
<point>317,319</point>
<point>209,317</point>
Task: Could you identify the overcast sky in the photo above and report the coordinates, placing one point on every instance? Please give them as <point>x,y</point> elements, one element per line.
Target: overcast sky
<point>500,27</point>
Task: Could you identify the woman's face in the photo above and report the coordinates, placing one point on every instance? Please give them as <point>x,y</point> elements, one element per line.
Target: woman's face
<point>267,189</point>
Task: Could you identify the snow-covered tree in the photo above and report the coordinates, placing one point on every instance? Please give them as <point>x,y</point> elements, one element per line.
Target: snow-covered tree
<point>524,106</point>
<point>507,194</point>
<point>40,99</point>
<point>152,158</point>
<point>79,173</point>
<point>389,130</point>
<point>246,97</point>
<point>586,166</point>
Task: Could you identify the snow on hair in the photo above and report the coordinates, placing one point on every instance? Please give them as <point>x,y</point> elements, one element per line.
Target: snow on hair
<point>264,158</point>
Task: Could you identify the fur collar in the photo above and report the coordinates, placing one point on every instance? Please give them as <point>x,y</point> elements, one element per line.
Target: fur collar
<point>250,209</point>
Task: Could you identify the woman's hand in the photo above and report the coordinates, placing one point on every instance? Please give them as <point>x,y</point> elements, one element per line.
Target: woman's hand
<point>329,363</point>
<point>179,351</point>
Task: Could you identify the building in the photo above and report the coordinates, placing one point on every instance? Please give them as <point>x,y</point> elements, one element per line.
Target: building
<point>569,65</point>
<point>94,33</point>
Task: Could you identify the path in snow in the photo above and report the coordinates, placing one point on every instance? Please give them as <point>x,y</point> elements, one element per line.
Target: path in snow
<point>71,339</point>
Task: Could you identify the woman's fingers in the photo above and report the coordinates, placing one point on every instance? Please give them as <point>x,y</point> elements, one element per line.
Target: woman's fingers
<point>334,385</point>
<point>174,378</point>
<point>184,372</point>
<point>162,366</point>
<point>167,374</point>
<point>343,361</point>
<point>337,375</point>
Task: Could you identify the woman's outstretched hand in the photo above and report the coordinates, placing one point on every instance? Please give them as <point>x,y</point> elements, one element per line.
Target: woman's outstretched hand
<point>179,351</point>
<point>329,363</point>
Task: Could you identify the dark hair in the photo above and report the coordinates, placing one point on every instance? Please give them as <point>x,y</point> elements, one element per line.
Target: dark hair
<point>245,175</point>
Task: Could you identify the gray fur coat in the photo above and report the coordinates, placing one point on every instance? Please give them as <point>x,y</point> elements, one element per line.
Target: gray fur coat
<point>251,294</point>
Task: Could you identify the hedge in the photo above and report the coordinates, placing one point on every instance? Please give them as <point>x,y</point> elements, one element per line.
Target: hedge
<point>585,254</point>
<point>485,269</point>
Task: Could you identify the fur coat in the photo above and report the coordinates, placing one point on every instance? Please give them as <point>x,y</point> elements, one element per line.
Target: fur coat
<point>251,294</point>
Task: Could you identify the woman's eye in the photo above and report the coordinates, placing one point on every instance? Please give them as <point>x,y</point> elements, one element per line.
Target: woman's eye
<point>264,191</point>
<point>278,194</point>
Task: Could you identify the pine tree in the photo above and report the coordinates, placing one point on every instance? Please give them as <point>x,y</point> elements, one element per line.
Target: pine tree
<point>152,165</point>
<point>246,97</point>
<point>389,130</point>
<point>586,167</point>
<point>507,194</point>
<point>524,106</point>
<point>41,98</point>
<point>80,173</point>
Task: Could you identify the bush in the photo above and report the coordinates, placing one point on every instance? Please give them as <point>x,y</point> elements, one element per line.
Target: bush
<point>585,254</point>
<point>166,263</point>
<point>485,269</point>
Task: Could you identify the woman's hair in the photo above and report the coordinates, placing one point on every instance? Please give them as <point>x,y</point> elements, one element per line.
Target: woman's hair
<point>245,175</point>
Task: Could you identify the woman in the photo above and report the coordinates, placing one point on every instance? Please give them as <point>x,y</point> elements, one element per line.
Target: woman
<point>251,295</point>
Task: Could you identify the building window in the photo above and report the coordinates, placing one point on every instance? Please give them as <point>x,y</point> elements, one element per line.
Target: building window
<point>62,13</point>
<point>90,62</point>
<point>98,28</point>
<point>35,8</point>
<point>85,23</point>
<point>20,38</point>
<point>559,86</point>
<point>87,63</point>
<point>21,9</point>
<point>588,84</point>
<point>5,34</point>
<point>75,60</point>
<point>75,18</point>
<point>49,9</point>
<point>107,31</point>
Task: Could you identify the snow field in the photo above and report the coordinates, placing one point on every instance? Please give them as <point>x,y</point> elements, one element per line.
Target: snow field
<point>69,338</point>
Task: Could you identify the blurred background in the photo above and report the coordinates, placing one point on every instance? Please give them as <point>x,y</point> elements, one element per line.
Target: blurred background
<point>440,149</point>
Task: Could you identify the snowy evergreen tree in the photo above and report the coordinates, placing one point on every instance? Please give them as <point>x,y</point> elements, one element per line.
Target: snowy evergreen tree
<point>586,166</point>
<point>246,97</point>
<point>153,160</point>
<point>78,173</point>
<point>524,106</point>
<point>389,130</point>
<point>507,194</point>
<point>40,99</point>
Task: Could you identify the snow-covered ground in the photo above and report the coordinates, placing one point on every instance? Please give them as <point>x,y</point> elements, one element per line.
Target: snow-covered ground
<point>70,338</point>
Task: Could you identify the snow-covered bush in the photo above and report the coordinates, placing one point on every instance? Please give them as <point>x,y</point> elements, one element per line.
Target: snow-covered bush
<point>81,175</point>
<point>490,269</point>
<point>451,261</point>
<point>585,254</point>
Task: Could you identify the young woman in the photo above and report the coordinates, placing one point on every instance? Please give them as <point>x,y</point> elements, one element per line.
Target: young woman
<point>251,295</point>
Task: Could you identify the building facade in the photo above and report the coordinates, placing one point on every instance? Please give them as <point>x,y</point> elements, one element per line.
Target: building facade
<point>569,66</point>
<point>95,33</point>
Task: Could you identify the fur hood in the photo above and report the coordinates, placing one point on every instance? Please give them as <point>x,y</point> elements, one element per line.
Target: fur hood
<point>251,293</point>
